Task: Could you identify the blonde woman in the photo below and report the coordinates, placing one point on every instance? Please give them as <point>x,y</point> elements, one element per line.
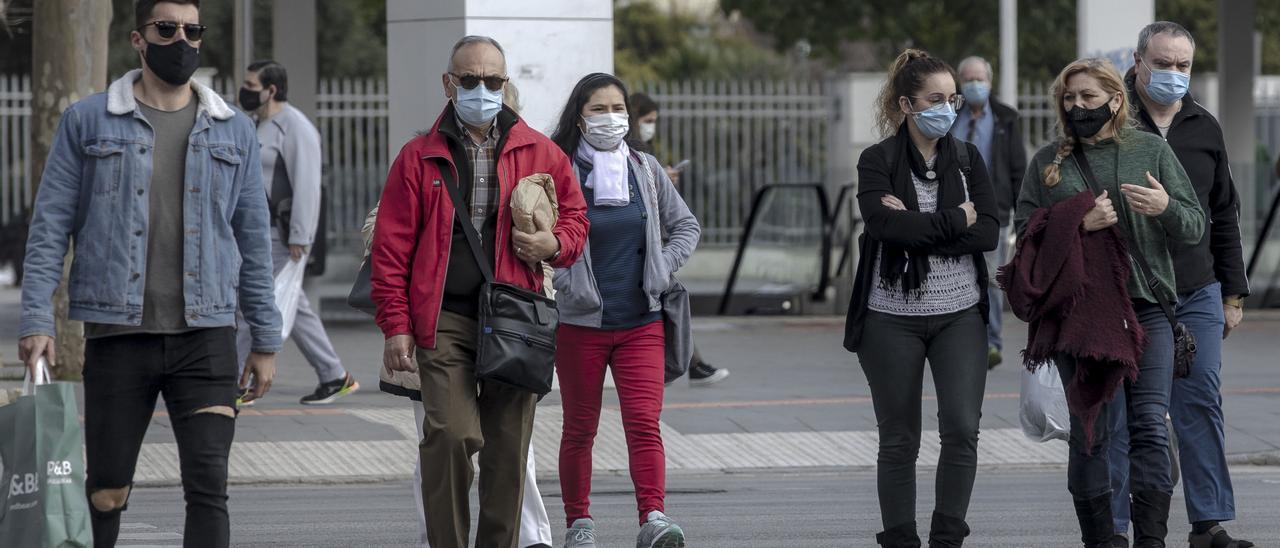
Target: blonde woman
<point>1144,189</point>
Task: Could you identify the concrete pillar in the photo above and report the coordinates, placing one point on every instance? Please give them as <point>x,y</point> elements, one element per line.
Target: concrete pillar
<point>853,128</point>
<point>1009,51</point>
<point>243,28</point>
<point>1106,28</point>
<point>549,44</point>
<point>293,44</point>
<point>1236,66</point>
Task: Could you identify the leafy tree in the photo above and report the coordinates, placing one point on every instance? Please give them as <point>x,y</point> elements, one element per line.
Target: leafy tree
<point>351,37</point>
<point>954,29</point>
<point>650,45</point>
<point>1201,18</point>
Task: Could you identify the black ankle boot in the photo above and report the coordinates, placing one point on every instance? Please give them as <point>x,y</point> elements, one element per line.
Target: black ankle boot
<point>947,532</point>
<point>899,536</point>
<point>1150,518</point>
<point>1096,525</point>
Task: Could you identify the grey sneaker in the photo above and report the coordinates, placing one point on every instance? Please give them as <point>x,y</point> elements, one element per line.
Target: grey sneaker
<point>660,532</point>
<point>582,534</point>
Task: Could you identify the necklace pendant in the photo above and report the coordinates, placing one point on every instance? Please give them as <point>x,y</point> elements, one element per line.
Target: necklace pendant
<point>930,175</point>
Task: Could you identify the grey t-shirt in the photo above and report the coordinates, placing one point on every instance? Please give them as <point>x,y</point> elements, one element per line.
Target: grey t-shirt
<point>163,306</point>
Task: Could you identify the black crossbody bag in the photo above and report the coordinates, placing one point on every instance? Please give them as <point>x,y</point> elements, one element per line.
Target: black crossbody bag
<point>1184,342</point>
<point>516,335</point>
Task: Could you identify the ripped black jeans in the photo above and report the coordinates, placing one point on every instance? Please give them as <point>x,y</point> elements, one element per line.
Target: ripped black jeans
<point>196,373</point>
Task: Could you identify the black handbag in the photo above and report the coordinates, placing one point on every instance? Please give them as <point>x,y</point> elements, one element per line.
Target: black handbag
<point>1184,342</point>
<point>360,297</point>
<point>516,328</point>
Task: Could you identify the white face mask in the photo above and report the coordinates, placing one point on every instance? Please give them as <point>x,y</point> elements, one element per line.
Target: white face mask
<point>648,130</point>
<point>605,131</point>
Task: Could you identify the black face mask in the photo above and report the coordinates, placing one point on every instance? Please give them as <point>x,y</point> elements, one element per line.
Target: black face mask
<point>174,63</point>
<point>1086,123</point>
<point>250,100</point>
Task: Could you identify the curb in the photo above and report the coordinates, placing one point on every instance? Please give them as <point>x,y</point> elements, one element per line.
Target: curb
<point>1263,458</point>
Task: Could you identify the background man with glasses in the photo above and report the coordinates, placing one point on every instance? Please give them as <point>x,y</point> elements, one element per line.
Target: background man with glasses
<point>426,284</point>
<point>158,182</point>
<point>992,126</point>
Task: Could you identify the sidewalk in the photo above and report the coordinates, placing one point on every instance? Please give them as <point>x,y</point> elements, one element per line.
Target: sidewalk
<point>795,399</point>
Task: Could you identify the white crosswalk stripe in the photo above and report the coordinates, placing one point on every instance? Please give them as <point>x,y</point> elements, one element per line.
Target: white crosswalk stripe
<point>145,535</point>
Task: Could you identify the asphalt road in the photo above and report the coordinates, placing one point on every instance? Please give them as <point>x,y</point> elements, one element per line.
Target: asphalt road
<point>812,508</point>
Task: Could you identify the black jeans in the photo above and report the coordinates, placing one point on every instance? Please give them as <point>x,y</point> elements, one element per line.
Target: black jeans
<point>893,352</point>
<point>1144,406</point>
<point>195,371</point>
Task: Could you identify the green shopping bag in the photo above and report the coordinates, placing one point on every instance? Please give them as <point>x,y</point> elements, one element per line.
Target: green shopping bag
<point>42,495</point>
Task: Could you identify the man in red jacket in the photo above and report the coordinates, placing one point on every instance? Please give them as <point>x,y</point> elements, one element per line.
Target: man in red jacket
<point>425,282</point>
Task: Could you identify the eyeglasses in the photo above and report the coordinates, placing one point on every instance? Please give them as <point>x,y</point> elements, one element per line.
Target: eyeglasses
<point>167,29</point>
<point>956,101</point>
<point>470,81</point>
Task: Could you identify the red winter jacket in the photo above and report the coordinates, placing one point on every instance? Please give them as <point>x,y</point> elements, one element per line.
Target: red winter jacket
<point>412,237</point>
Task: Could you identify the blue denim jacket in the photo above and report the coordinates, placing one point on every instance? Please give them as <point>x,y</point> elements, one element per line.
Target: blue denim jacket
<point>94,189</point>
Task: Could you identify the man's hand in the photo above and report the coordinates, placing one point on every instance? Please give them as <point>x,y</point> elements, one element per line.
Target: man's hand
<point>297,251</point>
<point>1146,201</point>
<point>1102,215</point>
<point>539,246</point>
<point>397,354</point>
<point>970,214</point>
<point>260,370</point>
<point>31,348</point>
<point>1233,316</point>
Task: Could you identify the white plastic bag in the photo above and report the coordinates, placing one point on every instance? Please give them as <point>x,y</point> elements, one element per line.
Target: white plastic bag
<point>1044,405</point>
<point>288,291</point>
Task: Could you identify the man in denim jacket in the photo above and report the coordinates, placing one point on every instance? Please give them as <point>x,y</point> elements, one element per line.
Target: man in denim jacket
<point>157,181</point>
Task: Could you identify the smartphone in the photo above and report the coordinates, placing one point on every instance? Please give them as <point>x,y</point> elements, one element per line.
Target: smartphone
<point>682,165</point>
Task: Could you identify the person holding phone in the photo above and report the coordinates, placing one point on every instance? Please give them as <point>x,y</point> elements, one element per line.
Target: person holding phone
<point>645,117</point>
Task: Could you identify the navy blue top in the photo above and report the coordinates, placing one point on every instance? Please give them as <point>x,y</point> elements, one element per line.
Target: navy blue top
<point>618,246</point>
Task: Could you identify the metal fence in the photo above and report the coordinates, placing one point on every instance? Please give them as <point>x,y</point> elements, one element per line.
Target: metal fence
<point>16,191</point>
<point>739,136</point>
<point>351,116</point>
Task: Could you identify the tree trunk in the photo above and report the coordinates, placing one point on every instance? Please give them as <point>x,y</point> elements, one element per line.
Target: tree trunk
<point>69,62</point>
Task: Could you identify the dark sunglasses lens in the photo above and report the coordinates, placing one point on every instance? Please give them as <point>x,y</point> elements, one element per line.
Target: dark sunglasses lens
<point>469,81</point>
<point>193,32</point>
<point>166,29</point>
<point>493,83</point>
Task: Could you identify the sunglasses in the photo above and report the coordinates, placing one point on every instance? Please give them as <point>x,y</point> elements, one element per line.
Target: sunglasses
<point>470,81</point>
<point>167,29</point>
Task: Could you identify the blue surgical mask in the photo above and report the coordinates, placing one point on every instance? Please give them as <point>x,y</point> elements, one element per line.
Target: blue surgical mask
<point>477,106</point>
<point>976,92</point>
<point>1167,86</point>
<point>935,121</point>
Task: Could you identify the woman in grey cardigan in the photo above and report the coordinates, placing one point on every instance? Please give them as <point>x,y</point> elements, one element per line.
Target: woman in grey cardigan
<point>610,305</point>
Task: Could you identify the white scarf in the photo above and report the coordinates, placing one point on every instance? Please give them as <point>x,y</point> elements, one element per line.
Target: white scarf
<point>608,177</point>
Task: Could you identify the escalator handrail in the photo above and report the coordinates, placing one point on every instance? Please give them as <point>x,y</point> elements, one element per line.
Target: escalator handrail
<point>749,230</point>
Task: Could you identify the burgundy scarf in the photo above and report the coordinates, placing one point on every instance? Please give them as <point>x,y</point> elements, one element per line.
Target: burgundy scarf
<point>1071,286</point>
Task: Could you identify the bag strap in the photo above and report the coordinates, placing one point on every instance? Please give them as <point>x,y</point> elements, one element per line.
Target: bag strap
<point>1153,283</point>
<point>42,376</point>
<point>473,239</point>
<point>962,156</point>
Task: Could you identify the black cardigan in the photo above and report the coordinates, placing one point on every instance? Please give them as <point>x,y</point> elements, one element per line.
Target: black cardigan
<point>1196,139</point>
<point>939,233</point>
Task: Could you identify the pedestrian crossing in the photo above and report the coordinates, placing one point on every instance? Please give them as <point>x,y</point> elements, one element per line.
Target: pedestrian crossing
<point>145,535</point>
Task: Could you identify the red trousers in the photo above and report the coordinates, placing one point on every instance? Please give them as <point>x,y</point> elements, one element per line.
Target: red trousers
<point>636,356</point>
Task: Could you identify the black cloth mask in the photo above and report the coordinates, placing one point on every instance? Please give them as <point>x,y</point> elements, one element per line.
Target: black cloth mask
<point>1086,123</point>
<point>174,63</point>
<point>250,100</point>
